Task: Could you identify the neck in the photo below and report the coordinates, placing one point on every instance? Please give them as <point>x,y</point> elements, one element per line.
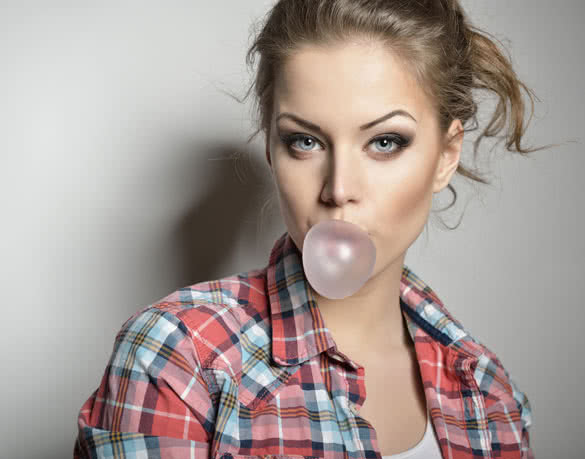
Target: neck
<point>371,319</point>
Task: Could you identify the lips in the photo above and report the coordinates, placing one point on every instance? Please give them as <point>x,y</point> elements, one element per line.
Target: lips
<point>346,221</point>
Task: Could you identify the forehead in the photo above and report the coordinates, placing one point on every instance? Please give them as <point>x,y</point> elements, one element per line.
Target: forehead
<point>348,78</point>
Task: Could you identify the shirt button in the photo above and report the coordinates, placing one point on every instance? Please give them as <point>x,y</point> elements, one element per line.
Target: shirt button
<point>353,408</point>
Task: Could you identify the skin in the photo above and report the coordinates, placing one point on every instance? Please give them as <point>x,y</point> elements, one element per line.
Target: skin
<point>342,173</point>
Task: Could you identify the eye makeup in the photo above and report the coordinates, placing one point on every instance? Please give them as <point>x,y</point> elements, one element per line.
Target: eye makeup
<point>397,140</point>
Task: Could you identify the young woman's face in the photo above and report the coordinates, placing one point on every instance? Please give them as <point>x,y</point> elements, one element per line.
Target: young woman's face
<point>353,137</point>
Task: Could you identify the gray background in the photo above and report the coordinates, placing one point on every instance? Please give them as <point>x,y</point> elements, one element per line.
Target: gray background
<point>117,188</point>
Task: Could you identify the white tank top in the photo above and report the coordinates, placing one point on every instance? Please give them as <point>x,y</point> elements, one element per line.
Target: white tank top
<point>427,448</point>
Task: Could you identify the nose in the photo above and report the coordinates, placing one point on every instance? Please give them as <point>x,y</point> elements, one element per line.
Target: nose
<point>342,179</point>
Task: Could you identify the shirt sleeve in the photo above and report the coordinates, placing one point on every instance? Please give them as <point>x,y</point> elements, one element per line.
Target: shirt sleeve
<point>526,418</point>
<point>153,400</point>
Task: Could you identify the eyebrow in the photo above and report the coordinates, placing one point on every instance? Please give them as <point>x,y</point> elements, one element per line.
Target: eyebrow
<point>314,127</point>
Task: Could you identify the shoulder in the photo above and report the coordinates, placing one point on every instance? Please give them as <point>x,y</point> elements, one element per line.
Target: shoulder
<point>214,315</point>
<point>499,389</point>
<point>498,386</point>
<point>489,373</point>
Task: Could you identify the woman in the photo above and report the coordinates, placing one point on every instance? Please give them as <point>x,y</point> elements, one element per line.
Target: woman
<point>364,104</point>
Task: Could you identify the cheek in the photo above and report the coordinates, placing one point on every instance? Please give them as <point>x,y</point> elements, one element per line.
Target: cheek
<point>295,181</point>
<point>294,191</point>
<point>294,201</point>
<point>408,199</point>
<point>286,182</point>
<point>411,199</point>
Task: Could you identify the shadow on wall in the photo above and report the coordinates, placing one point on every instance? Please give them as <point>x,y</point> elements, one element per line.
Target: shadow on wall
<point>225,214</point>
<point>221,203</point>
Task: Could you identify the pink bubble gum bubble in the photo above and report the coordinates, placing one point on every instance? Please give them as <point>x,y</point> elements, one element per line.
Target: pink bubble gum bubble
<point>338,258</point>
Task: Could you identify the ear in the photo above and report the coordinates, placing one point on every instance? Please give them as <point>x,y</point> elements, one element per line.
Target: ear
<point>449,158</point>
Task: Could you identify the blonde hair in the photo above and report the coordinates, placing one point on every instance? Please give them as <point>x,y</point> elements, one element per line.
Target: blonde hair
<point>449,57</point>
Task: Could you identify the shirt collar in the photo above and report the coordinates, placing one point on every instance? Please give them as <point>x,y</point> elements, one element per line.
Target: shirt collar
<point>298,331</point>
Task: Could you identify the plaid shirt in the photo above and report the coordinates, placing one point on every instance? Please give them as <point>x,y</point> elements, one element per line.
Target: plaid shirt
<point>243,367</point>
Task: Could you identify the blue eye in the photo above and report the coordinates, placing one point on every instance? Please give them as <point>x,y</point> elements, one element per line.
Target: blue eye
<point>398,141</point>
<point>391,143</point>
<point>290,139</point>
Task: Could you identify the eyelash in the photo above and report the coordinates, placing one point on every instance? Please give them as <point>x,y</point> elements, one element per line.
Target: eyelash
<point>400,141</point>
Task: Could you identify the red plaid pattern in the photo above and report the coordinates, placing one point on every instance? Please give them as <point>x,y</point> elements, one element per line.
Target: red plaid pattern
<point>244,367</point>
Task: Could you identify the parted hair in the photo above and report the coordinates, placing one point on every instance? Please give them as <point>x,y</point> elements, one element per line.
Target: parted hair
<point>450,58</point>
